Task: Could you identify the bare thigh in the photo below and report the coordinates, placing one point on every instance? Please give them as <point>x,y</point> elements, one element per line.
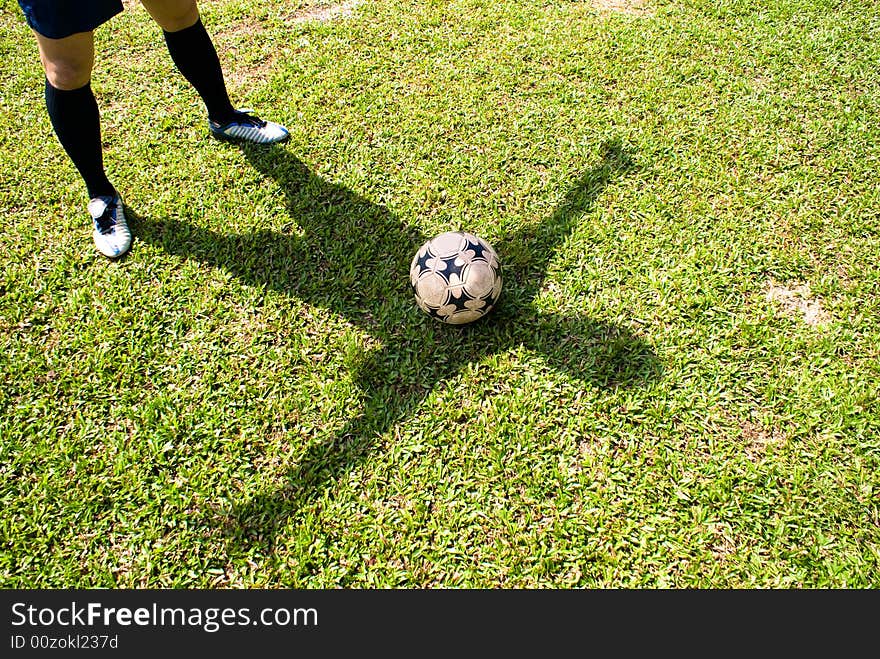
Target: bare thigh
<point>172,15</point>
<point>68,62</point>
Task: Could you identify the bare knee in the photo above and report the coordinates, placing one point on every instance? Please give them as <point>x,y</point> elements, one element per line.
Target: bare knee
<point>172,15</point>
<point>67,74</point>
<point>67,62</point>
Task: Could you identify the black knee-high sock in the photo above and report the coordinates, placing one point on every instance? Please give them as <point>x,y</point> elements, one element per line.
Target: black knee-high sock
<point>196,58</point>
<point>77,123</point>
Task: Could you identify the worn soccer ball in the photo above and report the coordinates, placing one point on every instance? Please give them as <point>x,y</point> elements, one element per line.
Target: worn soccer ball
<point>456,277</point>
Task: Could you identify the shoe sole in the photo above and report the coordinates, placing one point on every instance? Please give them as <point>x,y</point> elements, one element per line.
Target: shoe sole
<point>223,137</point>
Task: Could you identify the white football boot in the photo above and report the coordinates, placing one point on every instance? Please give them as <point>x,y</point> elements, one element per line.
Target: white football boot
<point>112,237</point>
<point>247,127</point>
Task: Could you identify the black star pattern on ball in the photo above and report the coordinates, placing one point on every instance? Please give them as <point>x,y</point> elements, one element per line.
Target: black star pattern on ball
<point>423,260</point>
<point>452,268</point>
<point>459,302</point>
<point>478,250</point>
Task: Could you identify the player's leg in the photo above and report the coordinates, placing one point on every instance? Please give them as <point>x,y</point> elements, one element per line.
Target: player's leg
<point>72,107</point>
<point>196,58</point>
<point>66,45</point>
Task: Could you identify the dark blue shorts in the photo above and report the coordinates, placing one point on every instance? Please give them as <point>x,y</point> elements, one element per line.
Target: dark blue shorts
<point>61,18</point>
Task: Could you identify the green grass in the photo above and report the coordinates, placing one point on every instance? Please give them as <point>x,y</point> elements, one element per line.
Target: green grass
<point>251,398</point>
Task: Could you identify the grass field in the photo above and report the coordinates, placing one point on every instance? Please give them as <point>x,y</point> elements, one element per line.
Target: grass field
<point>678,389</point>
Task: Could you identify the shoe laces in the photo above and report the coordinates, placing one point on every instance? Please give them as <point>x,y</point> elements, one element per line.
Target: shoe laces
<point>248,119</point>
<point>106,222</point>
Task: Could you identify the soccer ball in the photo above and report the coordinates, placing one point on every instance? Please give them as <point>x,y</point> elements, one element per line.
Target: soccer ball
<point>456,277</point>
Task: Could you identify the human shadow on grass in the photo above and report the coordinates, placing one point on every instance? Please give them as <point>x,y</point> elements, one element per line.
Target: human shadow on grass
<point>345,253</point>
